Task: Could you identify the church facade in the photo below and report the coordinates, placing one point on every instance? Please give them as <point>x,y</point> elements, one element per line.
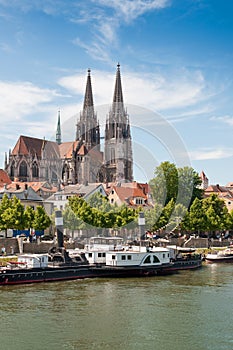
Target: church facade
<point>81,160</point>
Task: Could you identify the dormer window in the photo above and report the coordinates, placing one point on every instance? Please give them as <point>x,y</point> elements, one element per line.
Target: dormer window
<point>139,201</point>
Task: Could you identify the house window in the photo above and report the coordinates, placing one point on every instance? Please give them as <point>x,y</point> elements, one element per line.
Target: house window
<point>112,200</point>
<point>139,201</point>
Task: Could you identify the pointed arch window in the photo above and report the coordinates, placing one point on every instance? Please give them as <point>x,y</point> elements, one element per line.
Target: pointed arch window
<point>12,170</point>
<point>35,170</point>
<point>23,169</point>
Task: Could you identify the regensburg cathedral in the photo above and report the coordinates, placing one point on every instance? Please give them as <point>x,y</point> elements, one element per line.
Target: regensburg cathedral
<point>80,161</point>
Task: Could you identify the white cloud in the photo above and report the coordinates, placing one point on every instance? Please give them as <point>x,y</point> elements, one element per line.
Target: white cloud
<point>154,91</point>
<point>211,153</point>
<point>129,10</point>
<point>226,119</point>
<point>19,99</point>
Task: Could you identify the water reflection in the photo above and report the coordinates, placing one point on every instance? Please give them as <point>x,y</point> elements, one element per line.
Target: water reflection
<point>189,310</point>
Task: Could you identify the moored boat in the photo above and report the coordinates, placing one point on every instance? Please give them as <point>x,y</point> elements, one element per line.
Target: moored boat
<point>184,258</point>
<point>222,256</point>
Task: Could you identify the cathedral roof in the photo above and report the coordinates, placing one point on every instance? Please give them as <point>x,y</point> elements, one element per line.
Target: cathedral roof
<point>31,145</point>
<point>26,145</point>
<point>66,149</point>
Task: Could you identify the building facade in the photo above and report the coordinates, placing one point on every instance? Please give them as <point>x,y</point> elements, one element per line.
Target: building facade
<point>81,160</point>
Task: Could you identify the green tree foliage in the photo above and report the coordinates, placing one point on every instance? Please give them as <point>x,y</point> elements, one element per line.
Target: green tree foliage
<point>189,186</point>
<point>29,215</point>
<point>179,184</point>
<point>165,183</point>
<point>14,215</point>
<point>70,220</point>
<point>4,204</point>
<point>101,214</point>
<point>207,215</point>
<point>41,219</point>
<point>196,220</point>
<point>216,213</point>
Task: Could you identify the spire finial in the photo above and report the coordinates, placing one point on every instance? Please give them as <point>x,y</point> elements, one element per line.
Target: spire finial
<point>58,133</point>
<point>88,99</point>
<point>118,95</point>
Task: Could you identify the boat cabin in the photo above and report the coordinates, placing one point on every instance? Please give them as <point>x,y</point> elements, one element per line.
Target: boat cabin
<point>104,243</point>
<point>33,260</point>
<point>153,257</point>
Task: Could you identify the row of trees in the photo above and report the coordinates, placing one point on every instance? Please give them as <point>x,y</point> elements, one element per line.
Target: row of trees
<point>205,217</point>
<point>97,212</point>
<point>177,203</point>
<point>13,215</point>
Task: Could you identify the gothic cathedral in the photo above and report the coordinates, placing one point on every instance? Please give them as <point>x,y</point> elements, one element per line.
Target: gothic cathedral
<point>79,161</point>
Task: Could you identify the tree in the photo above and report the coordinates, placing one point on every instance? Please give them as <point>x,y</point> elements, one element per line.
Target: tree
<point>14,215</point>
<point>4,204</point>
<point>180,184</point>
<point>70,220</point>
<point>216,213</point>
<point>104,215</point>
<point>41,219</point>
<point>165,183</point>
<point>29,215</point>
<point>196,219</point>
<point>189,186</point>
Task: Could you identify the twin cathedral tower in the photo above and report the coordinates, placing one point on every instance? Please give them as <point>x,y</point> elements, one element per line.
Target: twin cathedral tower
<point>82,160</point>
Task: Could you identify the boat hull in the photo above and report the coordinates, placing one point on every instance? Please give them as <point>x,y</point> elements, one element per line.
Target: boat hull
<point>51,274</point>
<point>223,259</point>
<point>186,265</point>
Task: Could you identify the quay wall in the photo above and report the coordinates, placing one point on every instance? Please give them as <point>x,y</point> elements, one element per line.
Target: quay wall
<point>11,245</point>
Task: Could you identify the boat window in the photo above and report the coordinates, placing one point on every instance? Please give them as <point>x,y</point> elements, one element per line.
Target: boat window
<point>104,254</point>
<point>123,257</point>
<point>99,255</point>
<point>155,259</point>
<point>113,257</point>
<point>129,257</point>
<point>147,260</point>
<point>90,255</point>
<point>164,256</point>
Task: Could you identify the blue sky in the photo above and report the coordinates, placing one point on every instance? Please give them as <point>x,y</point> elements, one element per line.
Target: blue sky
<point>176,64</point>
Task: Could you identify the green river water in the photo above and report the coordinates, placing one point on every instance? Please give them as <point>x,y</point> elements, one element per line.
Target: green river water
<point>191,310</point>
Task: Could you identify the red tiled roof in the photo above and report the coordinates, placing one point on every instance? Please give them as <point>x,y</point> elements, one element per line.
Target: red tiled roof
<point>128,193</point>
<point>66,149</point>
<point>26,145</point>
<point>31,145</point>
<point>4,178</point>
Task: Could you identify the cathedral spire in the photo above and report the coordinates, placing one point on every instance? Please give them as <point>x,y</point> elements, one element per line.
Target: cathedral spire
<point>118,95</point>
<point>58,133</point>
<point>88,99</point>
<point>87,126</point>
<point>118,157</point>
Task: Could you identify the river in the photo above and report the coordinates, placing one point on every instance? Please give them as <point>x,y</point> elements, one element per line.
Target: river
<point>191,310</point>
